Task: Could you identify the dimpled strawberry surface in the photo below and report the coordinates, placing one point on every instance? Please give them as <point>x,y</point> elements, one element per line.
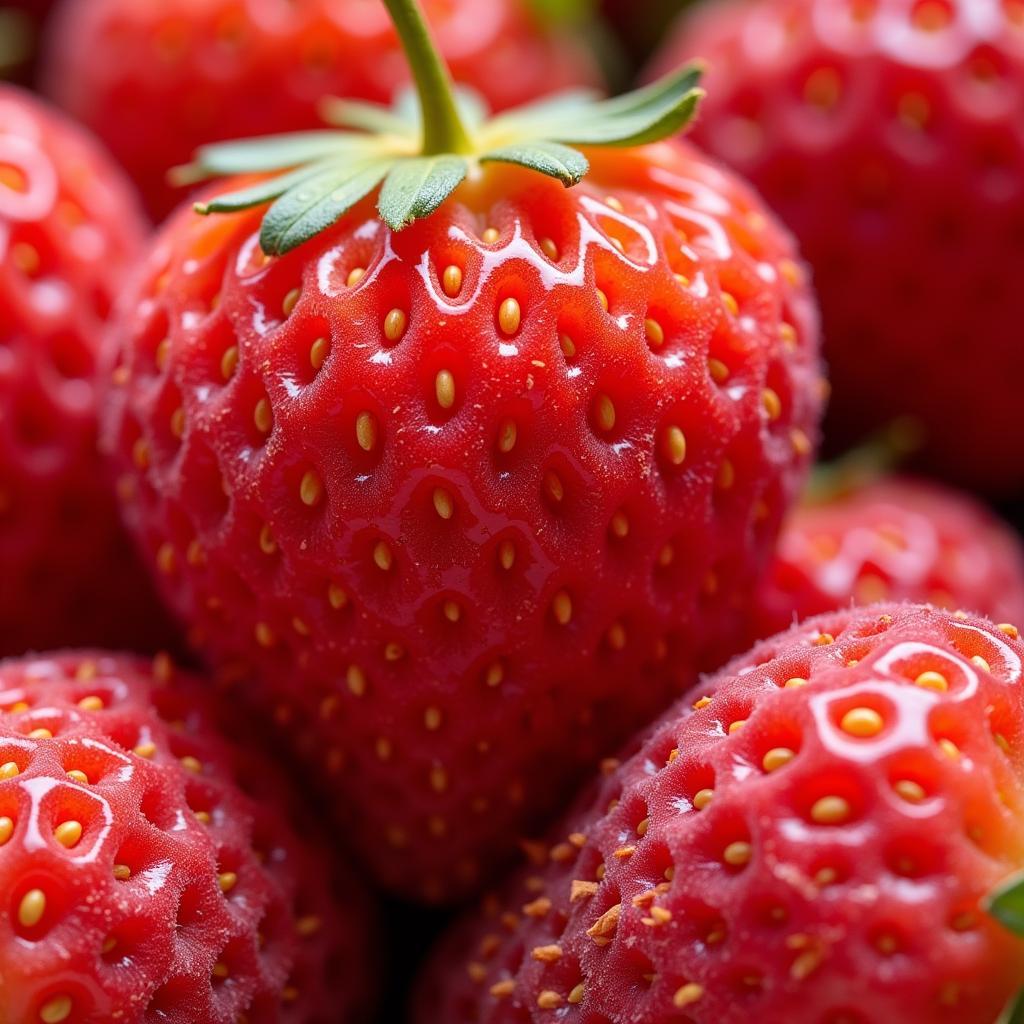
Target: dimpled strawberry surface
<point>806,838</point>
<point>894,539</point>
<point>69,230</point>
<point>149,868</point>
<point>886,135</point>
<point>447,488</point>
<point>219,69</point>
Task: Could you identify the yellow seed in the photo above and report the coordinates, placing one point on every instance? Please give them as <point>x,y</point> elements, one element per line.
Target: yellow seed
<point>620,525</point>
<point>718,370</point>
<point>738,854</point>
<point>577,994</point>
<point>507,433</point>
<point>548,247</point>
<point>40,734</point>
<point>507,554</point>
<point>227,880</point>
<point>702,798</point>
<point>308,925</point>
<point>122,872</point>
<point>355,275</point>
<point>394,324</point>
<point>178,422</point>
<point>726,476</point>
<point>290,301</point>
<point>140,453</point>
<point>800,442</point>
<point>355,677</point>
<point>366,431</point>
<point>444,389</point>
<point>165,558</point>
<point>562,607</point>
<point>229,362</point>
<point>262,416</point>
<point>191,764</point>
<point>490,235</point>
<point>547,954</point>
<point>318,352</point>
<point>603,299</point>
<point>675,445</point>
<point>311,488</point>
<point>777,758</point>
<point>737,725</point>
<point>549,1000</point>
<point>8,770</point>
<point>267,543</point>
<point>771,403</point>
<point>605,413</point>
<point>220,971</point>
<point>495,674</point>
<point>195,555</point>
<point>567,345</point>
<point>666,556</point>
<point>932,680</point>
<point>336,596</point>
<point>730,303</point>
<point>432,719</point>
<point>1009,629</point>
<point>264,635</point>
<point>617,637</point>
<point>863,722</point>
<point>452,611</point>
<point>654,332</point>
<point>68,833</point>
<point>794,682</point>
<point>909,790</point>
<point>451,280</point>
<point>382,556</point>
<point>509,316</point>
<point>32,907</point>
<point>831,810</point>
<point>78,776</point>
<point>56,1010</point>
<point>553,485</point>
<point>979,662</point>
<point>687,994</point>
<point>443,504</point>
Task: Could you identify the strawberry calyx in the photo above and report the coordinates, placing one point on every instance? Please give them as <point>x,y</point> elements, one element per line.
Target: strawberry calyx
<point>1006,904</point>
<point>420,150</point>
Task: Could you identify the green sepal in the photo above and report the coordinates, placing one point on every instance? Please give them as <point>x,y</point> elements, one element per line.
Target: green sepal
<point>416,187</point>
<point>262,192</point>
<point>369,117</point>
<point>1006,903</point>
<point>317,202</point>
<point>1013,1012</point>
<point>277,152</point>
<point>550,158</point>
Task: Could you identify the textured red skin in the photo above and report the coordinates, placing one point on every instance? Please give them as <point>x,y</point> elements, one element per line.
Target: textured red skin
<point>894,539</point>
<point>437,767</point>
<point>172,920</point>
<point>915,235</point>
<point>155,81</point>
<point>67,572</point>
<point>817,961</point>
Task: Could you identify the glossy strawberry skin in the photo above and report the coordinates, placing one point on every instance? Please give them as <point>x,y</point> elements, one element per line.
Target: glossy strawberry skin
<point>745,891</point>
<point>443,602</point>
<point>69,231</point>
<point>884,134</point>
<point>155,82</point>
<point>208,858</point>
<point>893,539</point>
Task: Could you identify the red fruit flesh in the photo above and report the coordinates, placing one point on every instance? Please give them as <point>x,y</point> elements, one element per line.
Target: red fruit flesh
<point>895,539</point>
<point>69,230</point>
<point>156,81</point>
<point>446,512</point>
<point>821,863</point>
<point>886,136</point>
<point>149,867</point>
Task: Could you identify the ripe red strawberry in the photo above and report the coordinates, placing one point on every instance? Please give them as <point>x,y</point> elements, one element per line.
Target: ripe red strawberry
<point>69,230</point>
<point>154,82</point>
<point>810,841</point>
<point>885,134</point>
<point>447,487</point>
<point>895,539</point>
<point>150,868</point>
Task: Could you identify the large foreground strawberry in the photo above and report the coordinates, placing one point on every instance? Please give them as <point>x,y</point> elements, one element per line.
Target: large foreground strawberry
<point>474,494</point>
<point>151,870</point>
<point>811,838</point>
<point>886,134</point>
<point>891,539</point>
<point>69,231</point>
<point>155,81</point>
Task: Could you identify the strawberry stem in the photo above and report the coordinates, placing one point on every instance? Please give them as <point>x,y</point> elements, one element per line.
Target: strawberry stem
<point>443,130</point>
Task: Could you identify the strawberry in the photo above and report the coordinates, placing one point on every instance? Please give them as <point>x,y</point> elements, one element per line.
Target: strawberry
<point>216,69</point>
<point>895,539</point>
<point>69,230</point>
<point>445,485</point>
<point>885,134</point>
<point>812,840</point>
<point>151,868</point>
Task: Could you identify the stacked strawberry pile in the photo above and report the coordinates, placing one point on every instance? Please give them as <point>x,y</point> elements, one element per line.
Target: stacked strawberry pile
<point>461,445</point>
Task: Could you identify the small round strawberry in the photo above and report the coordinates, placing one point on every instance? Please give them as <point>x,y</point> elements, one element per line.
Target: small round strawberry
<point>447,480</point>
<point>885,133</point>
<point>812,838</point>
<point>151,869</point>
<point>69,231</point>
<point>156,81</point>
<point>891,539</point>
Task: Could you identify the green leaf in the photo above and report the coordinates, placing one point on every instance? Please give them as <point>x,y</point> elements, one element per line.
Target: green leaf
<point>1013,1013</point>
<point>558,13</point>
<point>1006,903</point>
<point>278,152</point>
<point>367,117</point>
<point>550,158</point>
<point>538,119</point>
<point>261,192</point>
<point>647,115</point>
<point>416,188</point>
<point>317,202</point>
